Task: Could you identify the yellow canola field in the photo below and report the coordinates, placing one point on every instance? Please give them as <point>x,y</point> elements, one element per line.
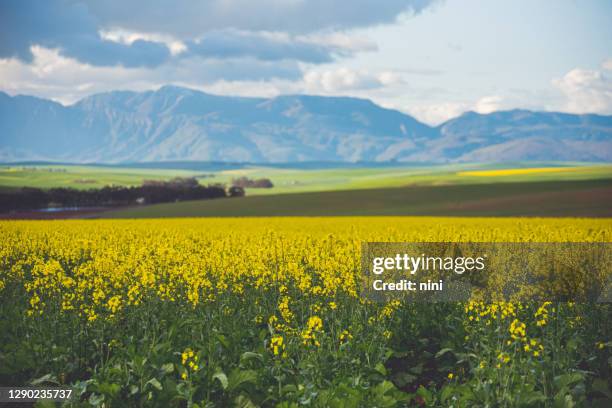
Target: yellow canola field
<point>99,266</point>
<point>218,312</point>
<point>518,172</point>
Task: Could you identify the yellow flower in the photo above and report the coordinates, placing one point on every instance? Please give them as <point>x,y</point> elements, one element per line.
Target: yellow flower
<point>503,357</point>
<point>345,336</point>
<point>517,330</point>
<point>315,323</point>
<point>277,345</point>
<point>450,376</point>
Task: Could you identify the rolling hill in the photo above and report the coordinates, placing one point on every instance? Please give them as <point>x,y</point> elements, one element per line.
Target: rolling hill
<point>583,198</point>
<point>174,124</point>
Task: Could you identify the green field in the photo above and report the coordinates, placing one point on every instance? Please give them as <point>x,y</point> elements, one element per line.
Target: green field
<point>299,180</point>
<point>512,189</point>
<point>588,198</point>
<point>81,177</point>
<point>295,179</point>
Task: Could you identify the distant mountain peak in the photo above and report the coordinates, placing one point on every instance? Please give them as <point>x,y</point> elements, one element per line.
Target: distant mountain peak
<point>177,90</point>
<point>177,123</point>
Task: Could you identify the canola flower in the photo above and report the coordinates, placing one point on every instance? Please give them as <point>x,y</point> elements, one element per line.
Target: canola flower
<point>519,171</point>
<point>190,363</point>
<point>310,334</point>
<point>277,346</point>
<point>287,290</point>
<point>345,337</point>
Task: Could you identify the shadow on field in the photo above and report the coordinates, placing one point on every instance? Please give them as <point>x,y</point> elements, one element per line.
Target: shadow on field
<point>587,198</point>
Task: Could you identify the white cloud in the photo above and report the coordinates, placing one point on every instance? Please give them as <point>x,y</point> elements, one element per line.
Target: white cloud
<point>54,76</point>
<point>341,42</point>
<point>346,79</point>
<point>587,90</point>
<point>488,104</point>
<point>66,80</point>
<point>63,79</point>
<point>150,33</point>
<point>262,89</point>
<point>126,37</point>
<point>437,113</point>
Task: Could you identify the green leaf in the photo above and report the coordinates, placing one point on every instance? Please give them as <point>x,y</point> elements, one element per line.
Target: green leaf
<point>249,355</point>
<point>447,392</point>
<point>564,401</point>
<point>381,368</point>
<point>533,397</point>
<point>425,394</point>
<point>96,399</point>
<point>47,378</point>
<point>288,389</point>
<point>155,383</point>
<point>287,404</point>
<point>80,387</point>
<point>167,368</point>
<point>403,379</point>
<point>567,380</point>
<point>223,340</point>
<point>238,377</point>
<point>222,379</point>
<point>109,389</point>
<point>443,351</point>
<point>242,401</point>
<point>384,387</point>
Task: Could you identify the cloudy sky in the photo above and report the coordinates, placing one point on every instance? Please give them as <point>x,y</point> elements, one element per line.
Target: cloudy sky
<point>433,59</point>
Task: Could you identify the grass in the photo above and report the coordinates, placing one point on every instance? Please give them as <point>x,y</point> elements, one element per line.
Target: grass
<point>299,180</point>
<point>583,198</point>
<point>512,189</point>
<point>80,177</point>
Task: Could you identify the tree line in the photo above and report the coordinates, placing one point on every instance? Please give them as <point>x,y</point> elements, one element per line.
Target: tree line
<point>150,192</point>
<point>245,182</point>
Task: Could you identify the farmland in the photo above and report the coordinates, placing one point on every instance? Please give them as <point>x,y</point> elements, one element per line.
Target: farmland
<point>513,189</point>
<point>586,198</point>
<point>80,177</point>
<point>298,178</point>
<point>267,312</point>
<point>309,180</point>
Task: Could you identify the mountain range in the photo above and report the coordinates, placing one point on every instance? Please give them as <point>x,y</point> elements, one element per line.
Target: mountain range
<point>174,124</point>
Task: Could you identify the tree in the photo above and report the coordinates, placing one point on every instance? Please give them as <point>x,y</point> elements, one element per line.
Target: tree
<point>235,191</point>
